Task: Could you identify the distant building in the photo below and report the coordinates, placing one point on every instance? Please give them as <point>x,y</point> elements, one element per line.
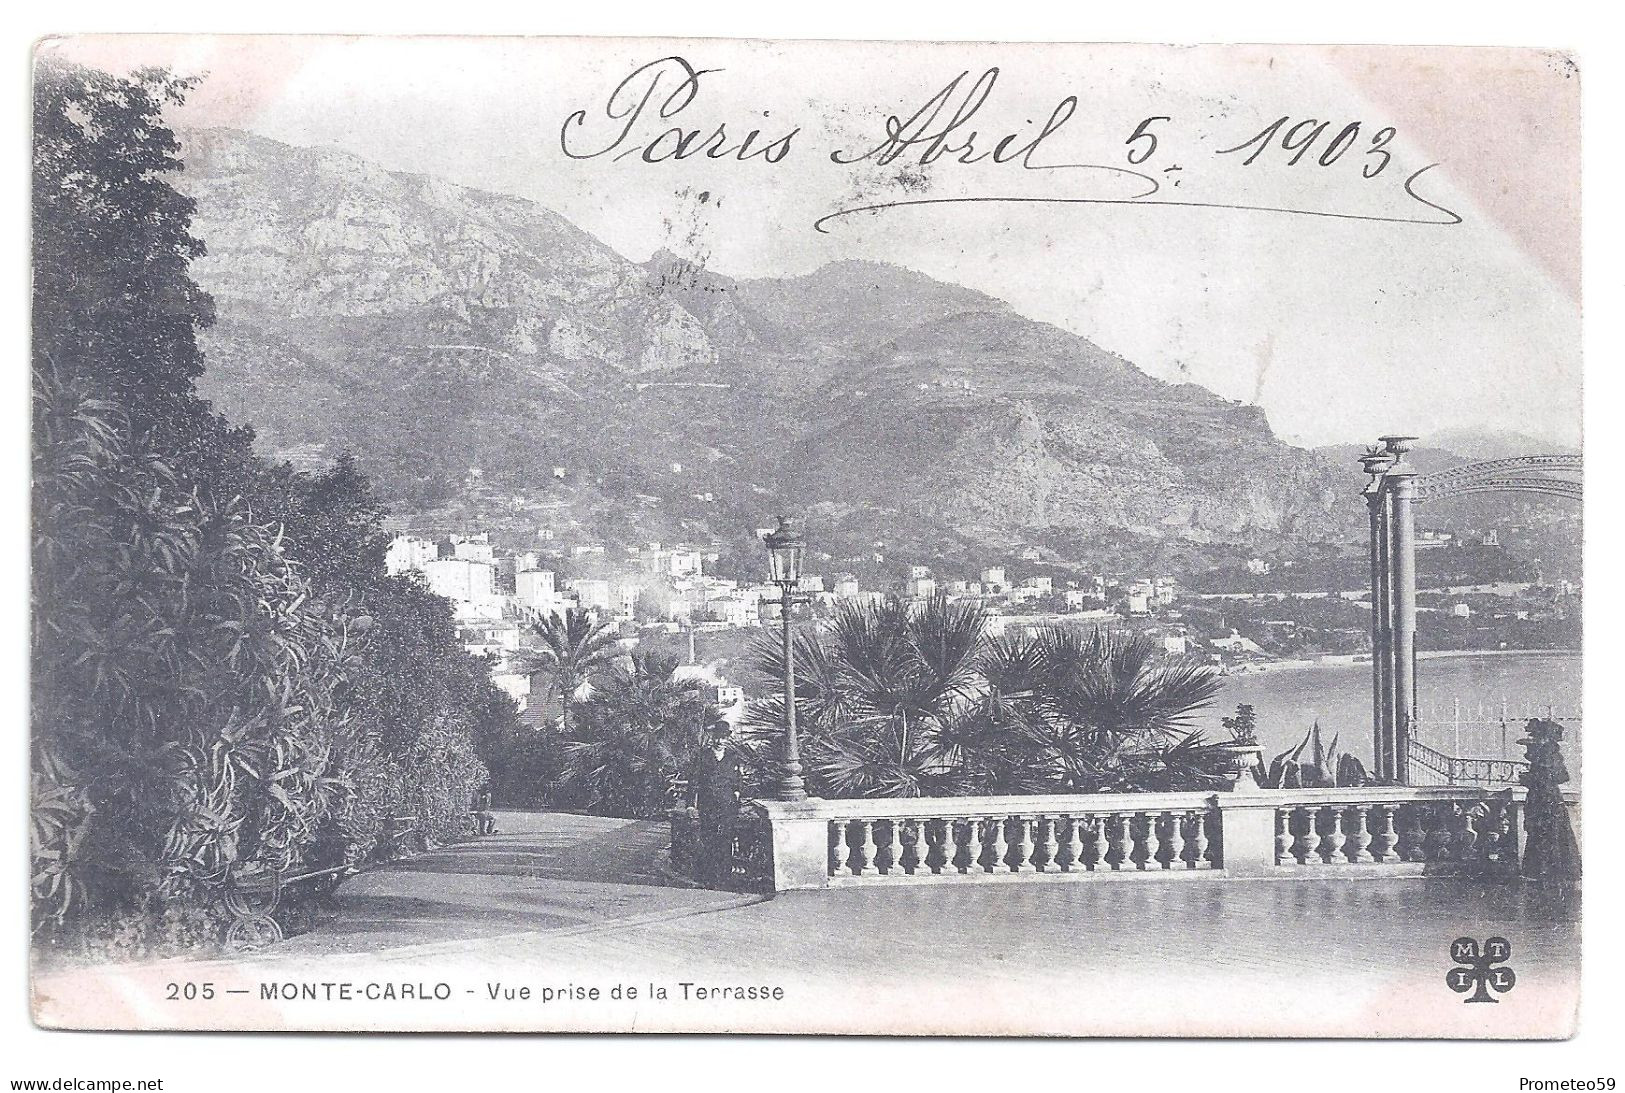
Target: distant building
<point>1044,585</point>
<point>1462,611</point>
<point>533,588</point>
<point>993,579</point>
<point>461,579</point>
<point>516,685</point>
<point>920,587</point>
<point>408,552</point>
<point>847,588</point>
<point>474,548</point>
<point>735,609</point>
<point>592,593</point>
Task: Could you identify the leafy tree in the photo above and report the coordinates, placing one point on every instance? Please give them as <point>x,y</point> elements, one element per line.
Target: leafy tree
<point>113,299</point>
<point>226,681</point>
<point>189,692</point>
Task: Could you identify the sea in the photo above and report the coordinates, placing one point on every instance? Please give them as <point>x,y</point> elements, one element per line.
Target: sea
<point>1289,698</point>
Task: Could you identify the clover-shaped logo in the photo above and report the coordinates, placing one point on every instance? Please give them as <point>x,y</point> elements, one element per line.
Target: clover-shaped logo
<point>1484,968</point>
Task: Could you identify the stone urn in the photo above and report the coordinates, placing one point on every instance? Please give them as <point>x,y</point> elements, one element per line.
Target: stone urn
<point>1241,759</point>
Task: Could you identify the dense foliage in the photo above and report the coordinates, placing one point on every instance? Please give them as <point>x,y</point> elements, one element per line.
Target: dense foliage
<point>226,681</point>
<point>895,701</point>
<point>634,739</point>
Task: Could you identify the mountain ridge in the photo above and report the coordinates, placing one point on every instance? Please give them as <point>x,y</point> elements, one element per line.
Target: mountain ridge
<point>431,328</point>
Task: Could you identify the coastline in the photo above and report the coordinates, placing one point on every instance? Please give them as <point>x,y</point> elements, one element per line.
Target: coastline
<point>1360,660</point>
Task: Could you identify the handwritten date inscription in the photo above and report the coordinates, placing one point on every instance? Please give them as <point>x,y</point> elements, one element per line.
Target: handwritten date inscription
<point>645,119</point>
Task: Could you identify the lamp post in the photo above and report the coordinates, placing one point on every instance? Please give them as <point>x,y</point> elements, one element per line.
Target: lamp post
<point>784,549</point>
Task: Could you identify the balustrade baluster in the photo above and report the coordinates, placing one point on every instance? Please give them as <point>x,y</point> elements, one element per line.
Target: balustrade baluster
<point>1332,849</point>
<point>1512,841</point>
<point>1024,845</point>
<point>1157,846</point>
<point>1097,846</point>
<point>1362,836</point>
<point>1050,845</point>
<point>1001,848</point>
<point>1117,840</point>
<point>1199,840</point>
<point>868,851</point>
<point>1306,840</point>
<point>840,851</point>
<point>1074,844</point>
<point>1465,844</point>
<point>950,850</point>
<point>973,847</point>
<point>1418,832</point>
<point>1388,817</point>
<point>1282,841</point>
<point>894,849</point>
<point>1178,822</point>
<point>920,850</point>
<point>1139,837</point>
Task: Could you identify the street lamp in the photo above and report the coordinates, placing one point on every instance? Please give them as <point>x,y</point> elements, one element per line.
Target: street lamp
<point>784,550</point>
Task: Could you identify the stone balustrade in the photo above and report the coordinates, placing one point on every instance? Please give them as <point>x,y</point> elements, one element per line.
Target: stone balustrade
<point>992,838</point>
<point>1388,830</point>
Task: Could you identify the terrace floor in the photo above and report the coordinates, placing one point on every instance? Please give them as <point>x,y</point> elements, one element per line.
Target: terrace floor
<point>567,901</point>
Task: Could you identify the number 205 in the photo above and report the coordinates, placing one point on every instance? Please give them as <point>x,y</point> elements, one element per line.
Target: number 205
<point>188,992</point>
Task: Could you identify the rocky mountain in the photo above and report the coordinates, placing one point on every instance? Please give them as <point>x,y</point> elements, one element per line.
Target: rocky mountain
<point>432,329</point>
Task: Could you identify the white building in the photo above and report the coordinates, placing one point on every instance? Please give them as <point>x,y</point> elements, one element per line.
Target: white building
<point>1044,585</point>
<point>592,593</point>
<point>533,588</point>
<point>920,588</point>
<point>734,609</point>
<point>461,580</point>
<point>516,685</point>
<point>993,579</point>
<point>407,552</point>
<point>474,548</point>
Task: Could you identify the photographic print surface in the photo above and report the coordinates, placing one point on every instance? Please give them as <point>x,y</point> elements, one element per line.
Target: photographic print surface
<point>805,537</point>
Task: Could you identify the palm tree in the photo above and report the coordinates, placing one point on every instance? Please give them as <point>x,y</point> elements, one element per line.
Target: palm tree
<point>575,646</point>
<point>899,702</point>
<point>880,697</point>
<point>636,735</point>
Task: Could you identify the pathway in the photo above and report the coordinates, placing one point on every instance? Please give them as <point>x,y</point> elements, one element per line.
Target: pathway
<point>561,905</point>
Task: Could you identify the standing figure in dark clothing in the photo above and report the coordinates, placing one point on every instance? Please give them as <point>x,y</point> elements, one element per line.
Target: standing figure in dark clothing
<point>1551,856</point>
<point>714,782</point>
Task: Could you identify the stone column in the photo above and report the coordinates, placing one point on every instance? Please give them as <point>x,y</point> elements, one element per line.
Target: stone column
<point>1382,718</point>
<point>1401,482</point>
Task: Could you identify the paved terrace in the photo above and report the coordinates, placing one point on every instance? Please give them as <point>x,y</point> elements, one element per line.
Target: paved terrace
<point>569,901</point>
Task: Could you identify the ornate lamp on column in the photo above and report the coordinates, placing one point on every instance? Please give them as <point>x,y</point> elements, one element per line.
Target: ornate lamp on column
<point>784,550</point>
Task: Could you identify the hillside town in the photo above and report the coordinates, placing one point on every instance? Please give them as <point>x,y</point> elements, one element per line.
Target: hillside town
<point>676,591</point>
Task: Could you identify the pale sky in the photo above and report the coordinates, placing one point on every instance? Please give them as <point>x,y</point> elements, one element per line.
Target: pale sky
<point>1340,328</point>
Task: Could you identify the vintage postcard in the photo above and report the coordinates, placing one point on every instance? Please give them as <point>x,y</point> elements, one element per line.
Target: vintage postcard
<point>656,535</point>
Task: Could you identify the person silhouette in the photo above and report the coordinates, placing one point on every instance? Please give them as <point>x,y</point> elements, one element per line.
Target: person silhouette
<point>715,785</point>
<point>1551,856</point>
